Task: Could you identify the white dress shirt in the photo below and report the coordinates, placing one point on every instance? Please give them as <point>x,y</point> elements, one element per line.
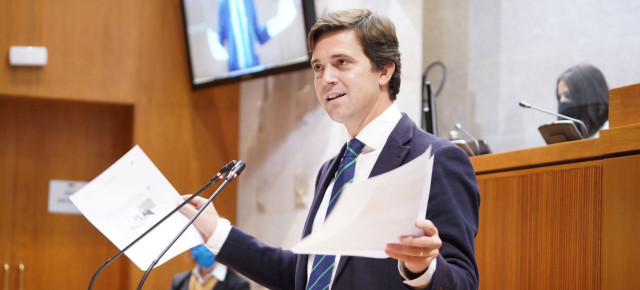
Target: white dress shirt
<point>374,135</point>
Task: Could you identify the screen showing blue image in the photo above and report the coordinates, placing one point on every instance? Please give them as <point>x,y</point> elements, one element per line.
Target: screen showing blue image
<point>232,40</point>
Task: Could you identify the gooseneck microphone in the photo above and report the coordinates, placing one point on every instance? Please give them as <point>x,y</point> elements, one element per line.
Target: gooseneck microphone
<point>235,171</point>
<point>230,176</point>
<point>475,141</point>
<point>222,174</point>
<point>583,134</point>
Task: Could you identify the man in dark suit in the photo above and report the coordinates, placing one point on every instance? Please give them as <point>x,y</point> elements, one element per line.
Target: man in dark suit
<point>207,274</point>
<point>356,63</point>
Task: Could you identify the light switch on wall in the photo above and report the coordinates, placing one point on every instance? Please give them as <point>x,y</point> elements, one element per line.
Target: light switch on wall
<point>28,55</point>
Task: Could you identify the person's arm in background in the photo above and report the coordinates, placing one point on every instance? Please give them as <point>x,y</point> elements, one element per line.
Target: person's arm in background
<point>287,12</point>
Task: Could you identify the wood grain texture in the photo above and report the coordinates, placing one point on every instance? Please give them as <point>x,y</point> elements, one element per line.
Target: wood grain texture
<point>47,141</point>
<point>564,216</point>
<point>621,223</point>
<point>623,136</point>
<point>541,229</point>
<point>540,156</point>
<point>130,53</point>
<point>614,141</point>
<point>624,105</point>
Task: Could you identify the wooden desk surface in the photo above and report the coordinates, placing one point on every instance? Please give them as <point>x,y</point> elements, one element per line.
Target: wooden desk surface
<point>612,142</point>
<point>623,138</point>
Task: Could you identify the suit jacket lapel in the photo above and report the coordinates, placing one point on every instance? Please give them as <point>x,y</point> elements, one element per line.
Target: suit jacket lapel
<point>395,150</point>
<point>392,156</point>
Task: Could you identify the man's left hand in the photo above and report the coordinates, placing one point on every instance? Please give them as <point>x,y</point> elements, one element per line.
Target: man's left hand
<point>417,252</point>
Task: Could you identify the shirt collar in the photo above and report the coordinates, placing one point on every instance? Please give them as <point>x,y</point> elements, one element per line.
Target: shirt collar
<point>219,271</point>
<point>376,133</point>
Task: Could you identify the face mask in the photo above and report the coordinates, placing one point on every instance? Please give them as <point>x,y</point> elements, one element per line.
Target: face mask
<point>567,109</point>
<point>203,257</point>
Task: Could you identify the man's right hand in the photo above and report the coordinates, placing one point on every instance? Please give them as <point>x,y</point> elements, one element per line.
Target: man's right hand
<point>207,221</point>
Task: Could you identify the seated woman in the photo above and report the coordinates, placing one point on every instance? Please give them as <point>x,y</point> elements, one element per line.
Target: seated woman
<point>583,94</point>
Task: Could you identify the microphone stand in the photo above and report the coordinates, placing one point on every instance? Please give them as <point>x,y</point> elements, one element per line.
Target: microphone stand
<point>214,179</point>
<point>428,109</point>
<point>428,106</point>
<point>582,134</point>
<point>477,152</point>
<point>233,174</point>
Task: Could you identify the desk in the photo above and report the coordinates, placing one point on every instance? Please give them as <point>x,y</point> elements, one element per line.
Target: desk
<point>567,215</point>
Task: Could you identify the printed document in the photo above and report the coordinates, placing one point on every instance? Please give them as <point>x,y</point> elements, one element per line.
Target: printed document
<point>127,199</point>
<point>373,213</point>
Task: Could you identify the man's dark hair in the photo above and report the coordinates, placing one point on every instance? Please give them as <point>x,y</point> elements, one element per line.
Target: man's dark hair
<point>376,34</point>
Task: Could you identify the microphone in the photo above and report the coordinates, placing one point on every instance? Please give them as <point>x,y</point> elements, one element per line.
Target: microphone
<point>582,125</point>
<point>236,170</point>
<point>223,171</point>
<point>453,137</point>
<point>222,174</point>
<point>459,127</point>
<point>230,176</point>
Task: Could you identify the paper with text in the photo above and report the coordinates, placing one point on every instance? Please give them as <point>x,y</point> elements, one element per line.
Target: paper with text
<point>373,213</point>
<point>127,199</point>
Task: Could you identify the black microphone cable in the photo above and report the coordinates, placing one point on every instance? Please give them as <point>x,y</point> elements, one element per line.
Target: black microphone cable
<point>233,174</point>
<point>222,174</point>
<point>428,115</point>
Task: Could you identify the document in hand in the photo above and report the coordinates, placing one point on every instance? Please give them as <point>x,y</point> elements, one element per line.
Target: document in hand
<point>371,214</point>
<point>127,199</point>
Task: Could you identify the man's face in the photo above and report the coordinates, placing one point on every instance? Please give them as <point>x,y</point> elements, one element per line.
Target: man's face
<point>346,86</point>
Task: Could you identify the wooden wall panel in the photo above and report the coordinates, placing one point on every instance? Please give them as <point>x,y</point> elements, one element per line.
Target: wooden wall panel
<point>8,147</point>
<point>164,70</point>
<point>624,104</point>
<point>125,52</point>
<point>540,228</point>
<point>189,145</point>
<point>208,143</point>
<point>93,49</point>
<point>47,141</point>
<point>621,223</point>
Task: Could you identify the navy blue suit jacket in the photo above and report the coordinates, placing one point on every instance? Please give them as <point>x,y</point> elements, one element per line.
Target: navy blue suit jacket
<point>453,207</point>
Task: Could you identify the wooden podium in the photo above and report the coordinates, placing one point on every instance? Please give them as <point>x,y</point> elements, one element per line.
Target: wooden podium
<point>566,215</point>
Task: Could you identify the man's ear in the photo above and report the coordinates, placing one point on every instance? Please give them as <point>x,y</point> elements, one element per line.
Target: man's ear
<point>385,74</point>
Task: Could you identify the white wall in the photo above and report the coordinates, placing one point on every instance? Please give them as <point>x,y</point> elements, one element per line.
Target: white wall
<point>499,52</point>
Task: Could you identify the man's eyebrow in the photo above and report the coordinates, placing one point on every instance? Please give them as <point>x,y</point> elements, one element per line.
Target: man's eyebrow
<point>334,56</point>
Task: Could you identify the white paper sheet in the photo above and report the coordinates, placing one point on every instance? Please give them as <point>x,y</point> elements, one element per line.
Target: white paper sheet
<point>130,197</point>
<point>371,214</point>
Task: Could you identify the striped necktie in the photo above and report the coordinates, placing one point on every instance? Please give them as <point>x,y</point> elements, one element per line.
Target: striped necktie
<point>320,278</point>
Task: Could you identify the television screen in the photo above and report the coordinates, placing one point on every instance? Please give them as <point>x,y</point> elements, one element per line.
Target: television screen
<point>232,40</point>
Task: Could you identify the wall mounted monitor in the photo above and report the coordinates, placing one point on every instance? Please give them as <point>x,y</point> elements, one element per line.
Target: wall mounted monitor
<point>235,40</point>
